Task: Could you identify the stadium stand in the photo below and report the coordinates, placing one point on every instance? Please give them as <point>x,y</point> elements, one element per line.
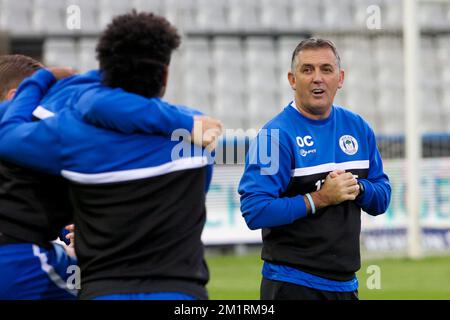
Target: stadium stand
<point>234,58</point>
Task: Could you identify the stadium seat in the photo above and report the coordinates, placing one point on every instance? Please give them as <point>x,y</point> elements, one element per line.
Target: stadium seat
<point>432,15</point>
<point>361,14</point>
<point>265,79</point>
<point>306,15</point>
<point>262,106</point>
<point>362,101</point>
<point>286,94</point>
<point>431,112</point>
<point>50,16</point>
<point>286,46</point>
<point>111,8</point>
<point>196,52</point>
<point>446,109</point>
<point>181,13</point>
<point>392,14</point>
<point>200,101</point>
<point>429,66</point>
<point>231,109</point>
<point>388,49</point>
<point>230,79</point>
<point>445,75</point>
<point>155,6</point>
<point>244,15</point>
<point>87,57</point>
<point>176,73</point>
<point>390,76</point>
<point>340,98</point>
<point>260,52</point>
<point>443,48</point>
<point>391,125</point>
<point>446,10</point>
<point>355,49</point>
<point>61,52</point>
<point>211,15</point>
<point>337,17</point>
<point>16,16</point>
<point>90,21</point>
<point>197,79</point>
<point>391,107</point>
<point>275,15</point>
<point>228,51</point>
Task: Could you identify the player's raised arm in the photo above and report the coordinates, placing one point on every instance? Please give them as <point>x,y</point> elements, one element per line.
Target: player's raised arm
<point>130,113</point>
<point>24,142</point>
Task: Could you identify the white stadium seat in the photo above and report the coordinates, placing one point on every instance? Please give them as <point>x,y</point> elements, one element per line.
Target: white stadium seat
<point>244,15</point>
<point>16,16</point>
<point>306,15</point>
<point>50,16</point>
<point>61,52</point>
<point>275,15</point>
<point>211,15</point>
<point>111,8</point>
<point>90,18</point>
<point>87,57</point>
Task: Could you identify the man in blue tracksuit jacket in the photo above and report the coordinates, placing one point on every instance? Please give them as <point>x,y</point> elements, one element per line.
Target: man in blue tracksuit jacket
<point>139,199</point>
<point>308,174</point>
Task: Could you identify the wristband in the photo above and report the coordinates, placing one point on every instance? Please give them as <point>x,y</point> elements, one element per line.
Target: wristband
<point>311,203</point>
<point>361,190</point>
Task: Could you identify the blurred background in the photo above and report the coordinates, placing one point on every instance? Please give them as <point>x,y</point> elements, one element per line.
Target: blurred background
<point>233,65</point>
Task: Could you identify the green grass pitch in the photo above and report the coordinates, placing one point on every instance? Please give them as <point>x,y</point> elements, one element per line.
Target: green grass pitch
<point>238,277</point>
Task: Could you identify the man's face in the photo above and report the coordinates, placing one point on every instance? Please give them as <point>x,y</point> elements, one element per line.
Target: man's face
<point>316,79</point>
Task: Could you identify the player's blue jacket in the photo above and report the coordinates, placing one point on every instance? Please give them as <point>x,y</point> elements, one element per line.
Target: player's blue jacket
<point>298,156</point>
<point>3,108</point>
<point>123,185</point>
<point>35,206</point>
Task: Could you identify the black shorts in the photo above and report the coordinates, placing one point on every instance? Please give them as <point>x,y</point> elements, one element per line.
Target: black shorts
<point>278,290</point>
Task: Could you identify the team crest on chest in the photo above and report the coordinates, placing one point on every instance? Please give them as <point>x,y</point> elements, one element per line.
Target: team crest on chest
<point>348,145</point>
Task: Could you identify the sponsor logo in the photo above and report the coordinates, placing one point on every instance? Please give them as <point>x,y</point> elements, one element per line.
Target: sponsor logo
<point>304,152</point>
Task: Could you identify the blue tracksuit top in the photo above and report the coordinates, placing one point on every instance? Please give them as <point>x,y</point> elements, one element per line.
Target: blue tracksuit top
<point>291,156</point>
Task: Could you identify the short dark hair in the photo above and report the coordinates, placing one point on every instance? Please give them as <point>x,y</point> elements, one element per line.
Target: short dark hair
<point>135,50</point>
<point>315,43</point>
<point>13,70</point>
